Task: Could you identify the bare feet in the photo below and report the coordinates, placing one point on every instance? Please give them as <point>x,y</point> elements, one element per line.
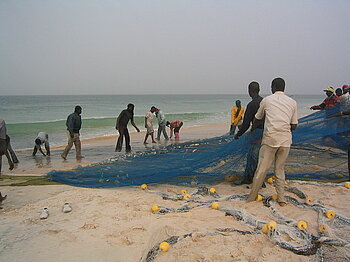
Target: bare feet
<point>64,158</point>
<point>282,204</point>
<point>80,157</point>
<point>154,142</point>
<point>145,143</point>
<point>2,198</point>
<point>12,166</point>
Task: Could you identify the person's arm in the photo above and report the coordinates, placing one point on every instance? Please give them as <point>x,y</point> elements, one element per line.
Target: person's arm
<point>320,106</point>
<point>247,119</point>
<point>70,125</point>
<point>47,145</point>
<point>171,131</point>
<point>294,119</point>
<point>41,151</point>
<point>133,123</point>
<point>117,122</point>
<point>145,122</point>
<point>260,114</point>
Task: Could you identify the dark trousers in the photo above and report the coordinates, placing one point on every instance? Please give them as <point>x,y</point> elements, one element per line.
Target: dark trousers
<point>123,131</point>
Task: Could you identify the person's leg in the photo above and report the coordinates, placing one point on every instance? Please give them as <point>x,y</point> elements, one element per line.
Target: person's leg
<point>77,144</point>
<point>10,149</point>
<point>145,141</point>
<point>231,129</point>
<point>266,156</point>
<point>280,160</point>
<point>127,141</point>
<point>165,133</point>
<point>152,136</point>
<point>119,145</point>
<point>68,147</point>
<point>35,150</point>
<point>9,160</point>
<point>159,132</point>
<point>234,129</point>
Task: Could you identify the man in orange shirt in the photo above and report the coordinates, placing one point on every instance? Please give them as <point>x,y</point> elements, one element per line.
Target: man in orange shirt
<point>236,116</point>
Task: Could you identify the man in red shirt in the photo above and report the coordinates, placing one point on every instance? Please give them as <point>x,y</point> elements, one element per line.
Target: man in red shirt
<point>175,125</point>
<point>329,102</point>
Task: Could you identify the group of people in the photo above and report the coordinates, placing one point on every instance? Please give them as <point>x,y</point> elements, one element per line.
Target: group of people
<point>128,115</point>
<point>271,121</point>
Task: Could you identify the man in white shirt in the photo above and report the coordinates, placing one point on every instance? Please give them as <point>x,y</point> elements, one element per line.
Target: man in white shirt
<point>280,112</point>
<point>149,125</point>
<point>42,138</point>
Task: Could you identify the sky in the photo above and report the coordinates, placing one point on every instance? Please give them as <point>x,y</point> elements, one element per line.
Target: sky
<point>71,47</point>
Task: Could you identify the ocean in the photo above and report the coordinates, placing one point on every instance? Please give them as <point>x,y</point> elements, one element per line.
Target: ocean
<point>25,116</point>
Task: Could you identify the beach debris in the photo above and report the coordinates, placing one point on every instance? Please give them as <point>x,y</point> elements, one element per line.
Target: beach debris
<point>330,214</point>
<point>155,208</point>
<point>45,213</point>
<point>215,205</point>
<point>143,186</point>
<point>164,246</point>
<point>347,185</point>
<point>66,208</point>
<point>259,198</point>
<point>302,225</point>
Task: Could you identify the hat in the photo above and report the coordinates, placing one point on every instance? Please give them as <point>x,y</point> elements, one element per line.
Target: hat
<point>329,89</point>
<point>345,86</point>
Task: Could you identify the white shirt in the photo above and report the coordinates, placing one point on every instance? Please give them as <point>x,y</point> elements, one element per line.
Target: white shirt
<point>43,137</point>
<point>149,117</point>
<point>280,111</point>
<point>345,101</point>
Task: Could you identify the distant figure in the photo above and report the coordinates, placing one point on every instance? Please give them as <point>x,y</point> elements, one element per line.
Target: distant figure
<point>149,125</point>
<point>280,112</point>
<point>345,98</point>
<point>11,151</point>
<point>161,124</point>
<point>236,116</point>
<point>329,102</point>
<point>2,198</point>
<point>253,150</point>
<point>73,124</point>
<point>4,145</point>
<point>122,127</point>
<point>175,126</point>
<point>42,138</point>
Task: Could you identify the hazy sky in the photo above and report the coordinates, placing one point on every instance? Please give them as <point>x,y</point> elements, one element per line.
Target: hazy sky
<point>172,47</point>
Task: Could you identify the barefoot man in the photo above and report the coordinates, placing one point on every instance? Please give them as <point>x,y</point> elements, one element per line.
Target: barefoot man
<point>149,125</point>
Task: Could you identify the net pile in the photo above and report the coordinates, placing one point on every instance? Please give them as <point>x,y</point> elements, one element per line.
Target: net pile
<point>318,153</point>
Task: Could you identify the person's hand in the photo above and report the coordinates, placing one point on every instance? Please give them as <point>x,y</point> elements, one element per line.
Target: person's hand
<point>236,136</point>
<point>71,135</point>
<point>138,130</point>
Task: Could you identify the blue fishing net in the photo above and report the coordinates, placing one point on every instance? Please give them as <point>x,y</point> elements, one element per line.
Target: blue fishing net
<point>319,153</point>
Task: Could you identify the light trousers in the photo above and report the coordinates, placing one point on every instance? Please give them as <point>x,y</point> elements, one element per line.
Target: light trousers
<point>267,155</point>
<point>76,141</point>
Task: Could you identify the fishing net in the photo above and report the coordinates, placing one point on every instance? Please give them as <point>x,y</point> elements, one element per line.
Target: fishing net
<point>318,153</point>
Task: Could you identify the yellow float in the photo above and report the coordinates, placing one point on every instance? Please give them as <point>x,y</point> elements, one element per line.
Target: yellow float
<point>265,229</point>
<point>155,208</point>
<point>143,186</point>
<point>258,198</point>
<point>187,197</point>
<point>270,180</point>
<point>302,225</point>
<point>347,185</point>
<point>308,200</point>
<point>215,205</point>
<point>272,225</point>
<point>330,214</point>
<point>322,228</point>
<point>183,191</point>
<point>212,190</point>
<point>164,246</point>
<point>275,197</point>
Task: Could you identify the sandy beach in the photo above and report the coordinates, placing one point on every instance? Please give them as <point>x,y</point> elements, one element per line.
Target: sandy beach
<point>118,225</point>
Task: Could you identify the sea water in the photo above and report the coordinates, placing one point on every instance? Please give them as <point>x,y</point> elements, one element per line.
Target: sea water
<point>25,116</point>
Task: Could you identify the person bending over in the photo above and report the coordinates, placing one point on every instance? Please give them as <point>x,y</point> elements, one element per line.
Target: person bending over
<point>175,127</point>
<point>41,139</point>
